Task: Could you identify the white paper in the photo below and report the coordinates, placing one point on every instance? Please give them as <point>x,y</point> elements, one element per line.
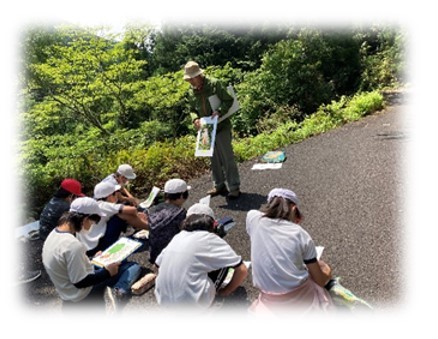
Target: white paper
<point>148,202</point>
<point>319,250</point>
<point>206,137</point>
<point>215,102</point>
<point>264,166</point>
<point>205,200</point>
<point>143,234</point>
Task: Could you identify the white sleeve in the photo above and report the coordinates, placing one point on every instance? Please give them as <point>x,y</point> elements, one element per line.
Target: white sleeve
<point>218,254</point>
<point>109,209</point>
<point>309,249</point>
<point>251,215</point>
<point>78,264</point>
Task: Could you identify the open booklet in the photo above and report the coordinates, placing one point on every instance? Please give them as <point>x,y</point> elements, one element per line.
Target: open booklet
<point>117,252</point>
<point>150,199</point>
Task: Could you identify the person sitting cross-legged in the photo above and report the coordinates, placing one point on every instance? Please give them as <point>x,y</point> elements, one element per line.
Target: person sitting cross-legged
<point>76,280</point>
<point>165,219</point>
<point>116,218</point>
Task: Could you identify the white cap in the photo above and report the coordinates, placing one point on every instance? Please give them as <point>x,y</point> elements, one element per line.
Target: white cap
<point>127,171</point>
<point>105,189</point>
<point>85,205</point>
<point>176,186</point>
<point>201,209</point>
<point>285,194</point>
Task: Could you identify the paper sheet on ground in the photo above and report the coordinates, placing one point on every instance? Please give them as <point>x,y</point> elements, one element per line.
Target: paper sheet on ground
<point>264,166</point>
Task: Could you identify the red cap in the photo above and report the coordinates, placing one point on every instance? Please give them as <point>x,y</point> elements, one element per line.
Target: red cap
<point>72,186</point>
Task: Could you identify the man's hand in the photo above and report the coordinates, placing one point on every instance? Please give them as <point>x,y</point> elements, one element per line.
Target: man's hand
<point>197,123</point>
<point>215,114</point>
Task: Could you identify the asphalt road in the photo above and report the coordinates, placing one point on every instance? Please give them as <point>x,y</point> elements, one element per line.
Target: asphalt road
<point>350,182</point>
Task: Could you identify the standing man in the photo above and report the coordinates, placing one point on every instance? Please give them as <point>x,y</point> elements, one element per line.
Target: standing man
<point>223,166</point>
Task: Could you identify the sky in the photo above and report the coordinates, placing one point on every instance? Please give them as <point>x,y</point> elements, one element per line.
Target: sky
<point>419,24</point>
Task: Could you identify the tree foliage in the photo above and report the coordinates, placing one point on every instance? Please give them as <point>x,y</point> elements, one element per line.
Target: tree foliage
<point>210,45</point>
<point>91,77</point>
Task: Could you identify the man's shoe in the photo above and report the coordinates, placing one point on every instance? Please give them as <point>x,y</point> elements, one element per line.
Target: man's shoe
<point>217,191</point>
<point>234,194</point>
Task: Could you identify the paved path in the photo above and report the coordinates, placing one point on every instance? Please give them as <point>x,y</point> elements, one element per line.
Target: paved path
<point>350,182</point>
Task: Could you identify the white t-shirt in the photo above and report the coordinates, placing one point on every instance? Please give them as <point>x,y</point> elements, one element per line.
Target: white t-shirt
<point>66,264</point>
<point>91,238</point>
<point>184,266</point>
<point>278,251</point>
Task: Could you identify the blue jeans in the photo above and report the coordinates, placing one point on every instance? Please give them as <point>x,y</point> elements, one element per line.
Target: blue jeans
<point>128,274</point>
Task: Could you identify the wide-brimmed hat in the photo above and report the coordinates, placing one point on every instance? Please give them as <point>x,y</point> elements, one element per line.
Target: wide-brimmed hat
<point>192,70</point>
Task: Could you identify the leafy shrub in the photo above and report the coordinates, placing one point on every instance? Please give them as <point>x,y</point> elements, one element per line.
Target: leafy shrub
<point>296,77</point>
<point>327,117</point>
<point>383,56</point>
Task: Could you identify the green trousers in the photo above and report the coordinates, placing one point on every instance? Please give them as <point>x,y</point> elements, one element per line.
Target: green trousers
<point>223,166</point>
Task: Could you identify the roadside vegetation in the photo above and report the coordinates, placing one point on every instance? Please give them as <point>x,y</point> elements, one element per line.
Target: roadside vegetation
<point>92,100</point>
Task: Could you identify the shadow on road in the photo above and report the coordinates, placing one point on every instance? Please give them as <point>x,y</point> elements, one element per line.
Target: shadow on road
<point>246,202</point>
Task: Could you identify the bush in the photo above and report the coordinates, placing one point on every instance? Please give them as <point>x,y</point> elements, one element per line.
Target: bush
<point>383,56</point>
<point>326,118</point>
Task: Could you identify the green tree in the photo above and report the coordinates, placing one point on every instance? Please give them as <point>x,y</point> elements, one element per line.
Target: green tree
<point>212,45</point>
<point>382,57</point>
<point>90,76</point>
